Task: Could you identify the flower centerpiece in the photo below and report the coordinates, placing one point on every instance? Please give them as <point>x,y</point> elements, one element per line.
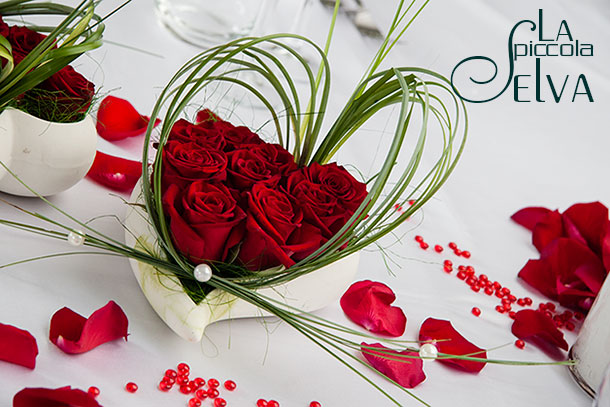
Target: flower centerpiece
<point>41,93</point>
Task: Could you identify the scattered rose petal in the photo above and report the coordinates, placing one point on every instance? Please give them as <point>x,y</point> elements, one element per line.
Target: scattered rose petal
<point>548,229</point>
<point>451,342</point>
<point>406,371</point>
<point>62,397</point>
<point>529,217</point>
<point>587,223</point>
<point>118,119</point>
<point>367,303</point>
<point>72,333</point>
<point>529,324</point>
<point>116,173</point>
<point>17,346</point>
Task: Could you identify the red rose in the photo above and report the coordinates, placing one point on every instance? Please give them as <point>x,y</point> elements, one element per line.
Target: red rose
<point>184,163</point>
<point>248,167</point>
<point>23,40</point>
<point>204,219</point>
<point>277,156</point>
<point>339,183</point>
<point>237,137</point>
<point>275,231</point>
<point>203,134</point>
<point>70,91</point>
<point>4,28</point>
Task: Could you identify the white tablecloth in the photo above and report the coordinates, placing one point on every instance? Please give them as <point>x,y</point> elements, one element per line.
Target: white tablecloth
<point>518,154</point>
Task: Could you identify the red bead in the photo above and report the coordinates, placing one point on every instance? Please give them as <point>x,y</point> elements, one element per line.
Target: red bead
<point>419,239</point>
<point>199,382</point>
<point>230,385</point>
<point>213,383</point>
<point>457,252</point>
<point>568,314</point>
<point>424,245</point>
<point>273,403</point>
<point>475,287</point>
<point>261,403</point>
<point>164,386</point>
<point>438,248</point>
<point>94,391</point>
<point>570,326</point>
<point>550,306</point>
<point>476,311</point>
<point>452,245</point>
<point>500,309</point>
<point>183,368</point>
<point>201,394</point>
<point>186,389</point>
<point>220,402</point>
<point>497,286</point>
<point>505,301</point>
<point>462,268</point>
<point>131,387</point>
<point>213,392</point>
<point>194,402</point>
<point>193,385</point>
<point>512,314</point>
<point>506,307</point>
<point>505,291</point>
<point>521,302</point>
<point>483,277</point>
<point>315,404</point>
<point>512,298</point>
<point>169,380</point>
<point>448,269</point>
<point>559,324</point>
<point>461,275</point>
<point>520,344</point>
<point>578,315</point>
<point>489,290</point>
<point>499,294</point>
<point>470,281</point>
<point>548,314</point>
<point>528,301</point>
<point>470,270</point>
<point>171,373</point>
<point>448,263</point>
<point>181,379</point>
<point>466,254</point>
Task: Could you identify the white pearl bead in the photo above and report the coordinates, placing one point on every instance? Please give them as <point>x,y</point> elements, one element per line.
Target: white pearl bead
<point>428,351</point>
<point>202,273</point>
<point>76,238</point>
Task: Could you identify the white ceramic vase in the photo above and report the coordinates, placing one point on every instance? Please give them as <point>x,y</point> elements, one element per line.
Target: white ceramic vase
<point>189,320</point>
<point>591,347</point>
<point>49,157</point>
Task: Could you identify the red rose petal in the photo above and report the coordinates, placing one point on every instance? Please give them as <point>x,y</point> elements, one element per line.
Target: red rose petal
<point>529,217</point>
<point>547,229</point>
<point>72,333</point>
<point>116,173</point>
<point>451,342</point>
<point>408,371</point>
<point>206,115</point>
<point>606,247</point>
<point>17,346</point>
<point>118,119</point>
<point>588,221</point>
<point>62,397</point>
<point>367,303</point>
<point>529,323</point>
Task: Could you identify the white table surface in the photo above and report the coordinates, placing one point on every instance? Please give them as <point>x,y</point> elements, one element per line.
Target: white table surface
<point>518,154</point>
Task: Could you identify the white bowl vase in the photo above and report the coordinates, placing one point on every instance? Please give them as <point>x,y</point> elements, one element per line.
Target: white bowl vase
<point>48,157</point>
<point>165,294</point>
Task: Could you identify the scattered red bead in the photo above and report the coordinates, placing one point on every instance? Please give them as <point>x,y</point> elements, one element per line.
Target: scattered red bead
<point>476,311</point>
<point>521,302</point>
<point>131,387</point>
<point>183,368</point>
<point>452,245</point>
<point>171,373</point>
<point>94,391</point>
<point>438,248</point>
<point>528,301</point>
<point>164,386</point>
<point>462,268</point>
<point>194,402</point>
<point>169,380</point>
<point>500,309</point>
<point>273,403</point>
<point>475,287</point>
<point>520,343</point>
<point>457,252</point>
<point>461,275</point>
<point>419,239</point>
<point>201,394</point>
<point>448,263</point>
<point>230,385</point>
<point>261,403</point>
<point>220,402</point>
<point>570,326</point>
<point>499,294</point>
<point>213,383</point>
<point>448,269</point>
<point>315,404</point>
<point>424,245</point>
<point>199,382</point>
<point>512,314</point>
<point>550,306</point>
<point>186,389</point>
<point>213,392</point>
<point>466,254</point>
<point>469,269</point>
<point>497,286</point>
<point>489,290</point>
<point>181,379</point>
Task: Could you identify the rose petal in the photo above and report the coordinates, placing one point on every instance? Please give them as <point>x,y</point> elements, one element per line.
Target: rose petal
<point>116,173</point>
<point>72,333</point>
<point>17,346</point>
<point>407,371</point>
<point>451,342</point>
<point>606,247</point>
<point>589,221</point>
<point>529,324</point>
<point>529,217</point>
<point>206,115</point>
<point>118,119</point>
<point>62,397</point>
<point>367,303</point>
<point>547,229</point>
